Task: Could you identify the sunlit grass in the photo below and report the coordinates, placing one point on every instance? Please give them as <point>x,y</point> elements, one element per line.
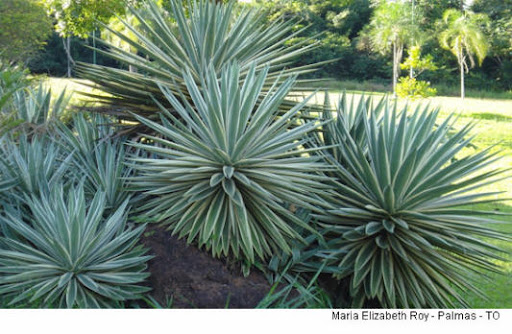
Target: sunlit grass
<point>74,87</point>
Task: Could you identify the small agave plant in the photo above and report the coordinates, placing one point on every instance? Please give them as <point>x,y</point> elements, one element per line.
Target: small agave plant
<point>224,171</point>
<point>31,166</point>
<point>69,255</point>
<point>399,230</point>
<point>98,156</point>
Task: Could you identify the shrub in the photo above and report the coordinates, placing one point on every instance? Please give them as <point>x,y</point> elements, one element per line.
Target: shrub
<point>69,255</point>
<point>410,87</point>
<point>223,171</point>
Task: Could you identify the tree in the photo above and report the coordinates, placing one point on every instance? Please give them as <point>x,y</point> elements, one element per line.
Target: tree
<point>24,27</point>
<point>80,18</point>
<point>391,27</point>
<point>464,38</point>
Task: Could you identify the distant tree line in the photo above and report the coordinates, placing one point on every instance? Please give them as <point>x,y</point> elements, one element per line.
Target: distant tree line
<point>368,39</point>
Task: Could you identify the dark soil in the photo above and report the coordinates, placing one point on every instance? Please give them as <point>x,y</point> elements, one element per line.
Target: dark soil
<point>194,279</point>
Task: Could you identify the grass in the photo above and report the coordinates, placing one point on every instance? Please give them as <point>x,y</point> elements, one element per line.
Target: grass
<point>497,286</point>
<point>72,86</point>
<point>493,117</point>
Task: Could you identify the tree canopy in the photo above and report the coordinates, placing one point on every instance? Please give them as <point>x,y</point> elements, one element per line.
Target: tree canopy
<point>24,27</point>
<point>80,18</point>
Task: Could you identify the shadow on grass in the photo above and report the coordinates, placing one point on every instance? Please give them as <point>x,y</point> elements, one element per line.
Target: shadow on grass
<point>492,117</point>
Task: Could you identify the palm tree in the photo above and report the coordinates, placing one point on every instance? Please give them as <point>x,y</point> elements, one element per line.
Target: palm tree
<point>391,27</point>
<point>464,37</point>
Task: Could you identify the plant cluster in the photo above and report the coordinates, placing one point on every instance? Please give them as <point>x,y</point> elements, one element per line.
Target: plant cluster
<point>65,236</point>
<point>372,197</point>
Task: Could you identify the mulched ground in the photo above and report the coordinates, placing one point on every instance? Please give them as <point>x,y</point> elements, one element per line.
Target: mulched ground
<point>194,279</point>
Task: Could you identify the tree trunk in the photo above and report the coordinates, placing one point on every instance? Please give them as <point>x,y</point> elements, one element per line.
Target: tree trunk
<point>395,70</point>
<point>67,49</point>
<point>398,51</point>
<point>94,46</point>
<point>462,93</point>
<point>411,70</point>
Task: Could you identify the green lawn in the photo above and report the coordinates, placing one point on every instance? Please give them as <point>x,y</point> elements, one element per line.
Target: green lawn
<point>493,119</point>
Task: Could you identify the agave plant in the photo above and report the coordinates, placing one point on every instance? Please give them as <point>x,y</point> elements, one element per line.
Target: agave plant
<point>207,34</point>
<point>12,79</point>
<point>31,166</point>
<point>35,107</point>
<point>399,230</point>
<point>69,255</point>
<point>223,171</point>
<point>99,155</point>
<point>32,109</point>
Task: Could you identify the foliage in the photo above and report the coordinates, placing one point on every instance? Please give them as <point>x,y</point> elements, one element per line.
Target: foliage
<point>495,9</point>
<point>117,24</point>
<point>212,34</point>
<point>399,229</point>
<point>412,88</point>
<point>51,60</point>
<point>296,294</point>
<point>391,24</point>
<point>499,34</point>
<point>335,25</point>
<point>69,255</point>
<point>12,79</point>
<point>24,28</point>
<point>225,167</point>
<point>463,36</point>
<point>418,63</point>
<point>80,18</point>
